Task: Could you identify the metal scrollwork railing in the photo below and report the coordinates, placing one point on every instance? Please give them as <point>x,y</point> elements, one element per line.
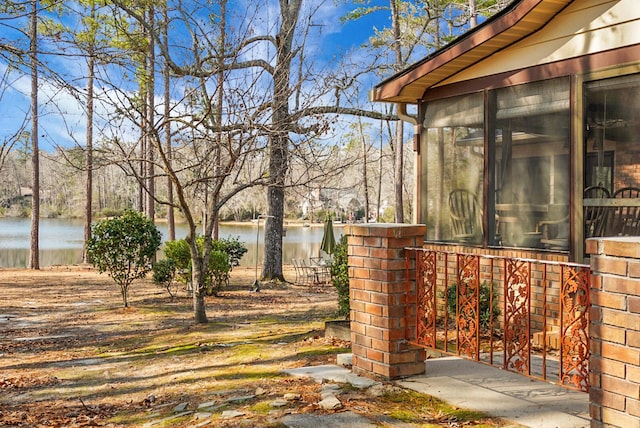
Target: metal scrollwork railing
<point>523,315</point>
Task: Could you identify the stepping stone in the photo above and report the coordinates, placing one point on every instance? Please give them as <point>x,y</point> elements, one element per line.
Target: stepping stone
<point>292,396</point>
<point>279,403</point>
<point>207,404</point>
<point>202,415</point>
<point>230,414</point>
<point>331,373</point>
<point>180,408</point>
<point>240,399</point>
<point>345,419</point>
<point>331,387</point>
<point>330,402</point>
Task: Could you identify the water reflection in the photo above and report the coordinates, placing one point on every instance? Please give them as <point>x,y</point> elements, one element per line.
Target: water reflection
<point>61,241</point>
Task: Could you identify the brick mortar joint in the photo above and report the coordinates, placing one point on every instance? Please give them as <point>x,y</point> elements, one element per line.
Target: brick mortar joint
<point>609,275</point>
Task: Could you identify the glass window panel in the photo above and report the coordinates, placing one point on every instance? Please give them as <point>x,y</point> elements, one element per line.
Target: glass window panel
<point>612,128</point>
<point>531,166</point>
<point>452,156</point>
<point>612,152</point>
<point>459,111</point>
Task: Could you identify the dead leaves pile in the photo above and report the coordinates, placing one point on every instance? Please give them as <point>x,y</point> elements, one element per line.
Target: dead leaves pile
<point>56,415</point>
<point>25,382</point>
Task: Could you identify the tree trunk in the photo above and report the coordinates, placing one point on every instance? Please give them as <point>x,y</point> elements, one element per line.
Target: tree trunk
<point>364,173</point>
<point>273,226</point>
<point>123,291</point>
<point>219,108</point>
<point>380,165</point>
<point>399,143</point>
<point>150,135</point>
<point>171,222</point>
<point>34,257</point>
<point>88,202</point>
<point>197,281</point>
<point>143,153</point>
<point>473,14</point>
<point>279,142</point>
<point>399,172</point>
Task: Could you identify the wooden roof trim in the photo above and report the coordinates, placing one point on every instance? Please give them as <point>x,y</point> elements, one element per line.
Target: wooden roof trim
<point>518,21</point>
<point>626,55</point>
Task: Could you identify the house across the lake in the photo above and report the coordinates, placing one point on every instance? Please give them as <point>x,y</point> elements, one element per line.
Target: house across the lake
<point>528,128</point>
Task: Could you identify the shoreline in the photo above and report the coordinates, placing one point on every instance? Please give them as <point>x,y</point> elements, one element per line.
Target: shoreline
<point>163,221</point>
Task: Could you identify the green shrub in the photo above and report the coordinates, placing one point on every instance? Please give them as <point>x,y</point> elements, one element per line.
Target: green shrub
<point>164,272</point>
<point>388,216</point>
<point>218,269</point>
<point>233,248</point>
<point>340,276</point>
<point>124,247</point>
<point>178,252</point>
<point>224,256</point>
<point>485,303</point>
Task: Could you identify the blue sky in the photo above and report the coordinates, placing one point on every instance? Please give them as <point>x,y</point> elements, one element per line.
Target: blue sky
<point>61,115</point>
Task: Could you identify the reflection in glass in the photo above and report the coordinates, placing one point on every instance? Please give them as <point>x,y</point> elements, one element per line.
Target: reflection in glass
<point>611,176</point>
<point>531,179</point>
<point>452,157</point>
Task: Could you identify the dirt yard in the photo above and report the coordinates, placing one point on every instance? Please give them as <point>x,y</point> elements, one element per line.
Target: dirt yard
<point>71,355</point>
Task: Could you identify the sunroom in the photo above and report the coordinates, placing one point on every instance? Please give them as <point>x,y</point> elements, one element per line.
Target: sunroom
<point>527,129</point>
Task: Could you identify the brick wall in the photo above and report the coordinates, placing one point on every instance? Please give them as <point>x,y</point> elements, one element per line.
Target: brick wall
<point>627,170</point>
<point>615,332</point>
<point>378,294</point>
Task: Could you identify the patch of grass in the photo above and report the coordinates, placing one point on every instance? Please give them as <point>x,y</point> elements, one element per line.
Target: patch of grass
<point>130,419</point>
<point>246,353</point>
<point>411,407</point>
<point>271,319</point>
<point>249,374</point>
<point>158,310</point>
<point>163,349</point>
<point>406,416</point>
<point>261,408</point>
<point>149,351</point>
<point>322,351</point>
<point>281,332</point>
<point>462,415</point>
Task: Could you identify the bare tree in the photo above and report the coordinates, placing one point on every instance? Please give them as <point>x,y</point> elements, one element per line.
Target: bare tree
<point>9,141</point>
<point>226,120</point>
<point>150,62</point>
<point>399,143</point>
<point>224,133</point>
<point>34,248</point>
<point>89,138</point>
<point>166,79</point>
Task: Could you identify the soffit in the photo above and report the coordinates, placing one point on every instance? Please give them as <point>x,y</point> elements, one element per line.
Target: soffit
<point>518,21</point>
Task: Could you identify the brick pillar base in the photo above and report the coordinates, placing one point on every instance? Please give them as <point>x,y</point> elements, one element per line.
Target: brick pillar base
<point>615,332</point>
<point>378,292</point>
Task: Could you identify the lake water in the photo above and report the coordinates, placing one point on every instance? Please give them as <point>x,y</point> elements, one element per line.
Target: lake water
<point>61,241</point>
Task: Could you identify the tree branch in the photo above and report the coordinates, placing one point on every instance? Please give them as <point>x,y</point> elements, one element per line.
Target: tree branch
<point>312,111</point>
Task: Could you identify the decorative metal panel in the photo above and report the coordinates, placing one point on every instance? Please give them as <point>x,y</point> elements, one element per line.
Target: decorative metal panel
<point>517,349</point>
<point>468,297</point>
<point>426,304</point>
<point>574,313</point>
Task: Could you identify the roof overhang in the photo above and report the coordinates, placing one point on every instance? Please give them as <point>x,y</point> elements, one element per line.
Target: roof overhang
<point>519,20</point>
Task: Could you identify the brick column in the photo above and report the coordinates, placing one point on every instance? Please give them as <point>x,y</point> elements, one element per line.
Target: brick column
<point>378,296</point>
<point>615,332</point>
